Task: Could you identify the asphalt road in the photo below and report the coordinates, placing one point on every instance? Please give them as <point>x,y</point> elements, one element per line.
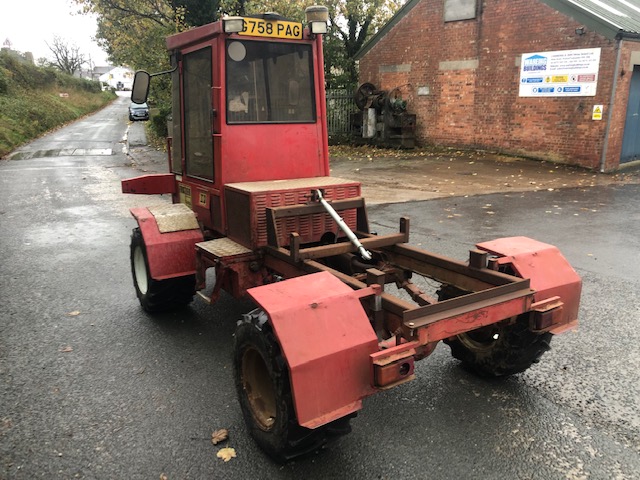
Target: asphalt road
<point>92,387</point>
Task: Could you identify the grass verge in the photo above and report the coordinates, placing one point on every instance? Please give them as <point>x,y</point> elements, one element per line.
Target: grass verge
<point>35,100</point>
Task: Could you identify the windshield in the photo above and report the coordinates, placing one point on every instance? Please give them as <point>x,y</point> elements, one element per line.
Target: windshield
<point>269,82</point>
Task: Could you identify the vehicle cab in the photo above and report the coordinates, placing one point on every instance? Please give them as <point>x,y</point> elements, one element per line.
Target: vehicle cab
<point>248,105</point>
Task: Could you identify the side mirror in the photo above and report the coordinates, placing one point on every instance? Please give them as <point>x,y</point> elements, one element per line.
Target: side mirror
<point>140,89</point>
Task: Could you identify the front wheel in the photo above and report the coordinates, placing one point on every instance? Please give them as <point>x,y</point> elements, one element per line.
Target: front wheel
<point>500,349</point>
<point>157,295</point>
<point>264,391</point>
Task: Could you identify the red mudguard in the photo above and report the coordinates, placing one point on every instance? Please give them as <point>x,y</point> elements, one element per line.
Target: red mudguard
<point>326,338</point>
<point>170,254</point>
<point>152,184</point>
<point>549,272</point>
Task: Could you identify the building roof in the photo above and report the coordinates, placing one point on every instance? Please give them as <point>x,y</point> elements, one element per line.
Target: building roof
<point>102,69</point>
<point>611,18</point>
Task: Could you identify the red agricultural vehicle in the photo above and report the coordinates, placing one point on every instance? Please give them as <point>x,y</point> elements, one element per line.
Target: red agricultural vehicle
<point>338,316</point>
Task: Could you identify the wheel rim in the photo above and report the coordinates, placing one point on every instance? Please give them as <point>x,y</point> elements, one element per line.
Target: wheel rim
<point>140,270</point>
<point>482,339</point>
<point>257,385</point>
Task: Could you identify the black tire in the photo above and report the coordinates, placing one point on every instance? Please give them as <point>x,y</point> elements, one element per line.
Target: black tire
<point>500,349</point>
<point>264,391</point>
<point>157,295</point>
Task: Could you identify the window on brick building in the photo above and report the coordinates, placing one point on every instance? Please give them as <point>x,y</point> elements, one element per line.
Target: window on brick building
<point>455,10</point>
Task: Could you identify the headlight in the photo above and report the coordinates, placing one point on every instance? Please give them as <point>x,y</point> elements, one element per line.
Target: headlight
<point>317,17</point>
<point>233,24</point>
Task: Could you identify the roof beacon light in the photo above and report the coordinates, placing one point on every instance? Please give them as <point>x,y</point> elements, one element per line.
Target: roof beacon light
<point>233,24</point>
<point>317,16</point>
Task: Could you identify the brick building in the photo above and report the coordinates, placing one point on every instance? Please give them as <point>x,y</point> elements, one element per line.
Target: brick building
<point>551,79</point>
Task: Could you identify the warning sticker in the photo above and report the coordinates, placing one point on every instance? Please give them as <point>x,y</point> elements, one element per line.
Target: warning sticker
<point>597,112</point>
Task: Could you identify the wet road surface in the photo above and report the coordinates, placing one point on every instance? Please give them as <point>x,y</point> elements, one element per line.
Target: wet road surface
<point>92,387</point>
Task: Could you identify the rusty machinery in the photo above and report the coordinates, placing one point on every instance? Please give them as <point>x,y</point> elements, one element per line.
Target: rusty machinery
<point>339,316</point>
<point>383,119</point>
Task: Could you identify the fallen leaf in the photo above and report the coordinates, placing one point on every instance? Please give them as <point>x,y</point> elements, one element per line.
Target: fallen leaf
<point>66,349</point>
<point>75,313</point>
<point>163,477</point>
<point>219,436</point>
<point>226,454</point>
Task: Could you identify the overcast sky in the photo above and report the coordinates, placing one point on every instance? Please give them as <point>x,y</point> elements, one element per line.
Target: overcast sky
<point>28,24</point>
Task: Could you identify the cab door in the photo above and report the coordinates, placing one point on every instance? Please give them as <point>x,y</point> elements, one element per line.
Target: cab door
<point>197,187</point>
<point>197,113</point>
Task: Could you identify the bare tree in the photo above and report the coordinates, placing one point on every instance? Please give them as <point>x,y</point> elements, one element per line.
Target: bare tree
<point>67,57</point>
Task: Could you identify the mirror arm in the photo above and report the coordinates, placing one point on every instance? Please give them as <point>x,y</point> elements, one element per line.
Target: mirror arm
<point>164,72</point>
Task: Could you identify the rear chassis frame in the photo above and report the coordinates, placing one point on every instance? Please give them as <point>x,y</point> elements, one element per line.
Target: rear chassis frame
<point>406,331</point>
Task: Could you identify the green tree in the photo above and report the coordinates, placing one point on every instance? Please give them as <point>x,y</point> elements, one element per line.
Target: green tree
<point>352,23</point>
<point>290,9</point>
<point>133,32</point>
<point>197,12</point>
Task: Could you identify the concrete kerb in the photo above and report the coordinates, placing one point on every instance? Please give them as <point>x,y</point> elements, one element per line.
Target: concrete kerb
<point>136,135</point>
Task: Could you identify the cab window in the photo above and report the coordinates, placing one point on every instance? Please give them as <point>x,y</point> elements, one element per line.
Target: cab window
<point>269,82</point>
<point>197,113</point>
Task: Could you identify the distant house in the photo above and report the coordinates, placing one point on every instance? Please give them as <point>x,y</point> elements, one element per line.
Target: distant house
<point>550,79</point>
<point>93,73</point>
<point>120,78</point>
<point>98,71</point>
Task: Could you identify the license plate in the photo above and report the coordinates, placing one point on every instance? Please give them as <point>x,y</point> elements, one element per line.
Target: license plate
<point>258,27</point>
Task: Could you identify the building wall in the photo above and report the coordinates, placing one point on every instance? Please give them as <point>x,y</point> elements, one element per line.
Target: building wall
<point>471,70</point>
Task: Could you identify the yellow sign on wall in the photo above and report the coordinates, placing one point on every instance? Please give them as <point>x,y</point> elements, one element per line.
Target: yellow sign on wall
<point>597,112</point>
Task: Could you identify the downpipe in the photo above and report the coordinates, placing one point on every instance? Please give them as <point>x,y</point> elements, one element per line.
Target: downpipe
<point>607,130</point>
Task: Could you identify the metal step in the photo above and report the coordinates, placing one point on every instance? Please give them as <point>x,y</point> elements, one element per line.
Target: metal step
<point>222,247</point>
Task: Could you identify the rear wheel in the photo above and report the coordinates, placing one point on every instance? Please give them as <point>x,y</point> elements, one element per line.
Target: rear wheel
<point>500,349</point>
<point>157,295</point>
<point>264,391</point>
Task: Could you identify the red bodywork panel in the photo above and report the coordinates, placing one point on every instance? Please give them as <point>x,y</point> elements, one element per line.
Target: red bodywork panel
<point>246,205</point>
<point>240,152</point>
<point>246,152</point>
<point>481,316</point>
<point>326,338</point>
<point>154,184</point>
<point>272,152</point>
<point>267,151</point>
<point>549,272</point>
<point>169,254</point>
